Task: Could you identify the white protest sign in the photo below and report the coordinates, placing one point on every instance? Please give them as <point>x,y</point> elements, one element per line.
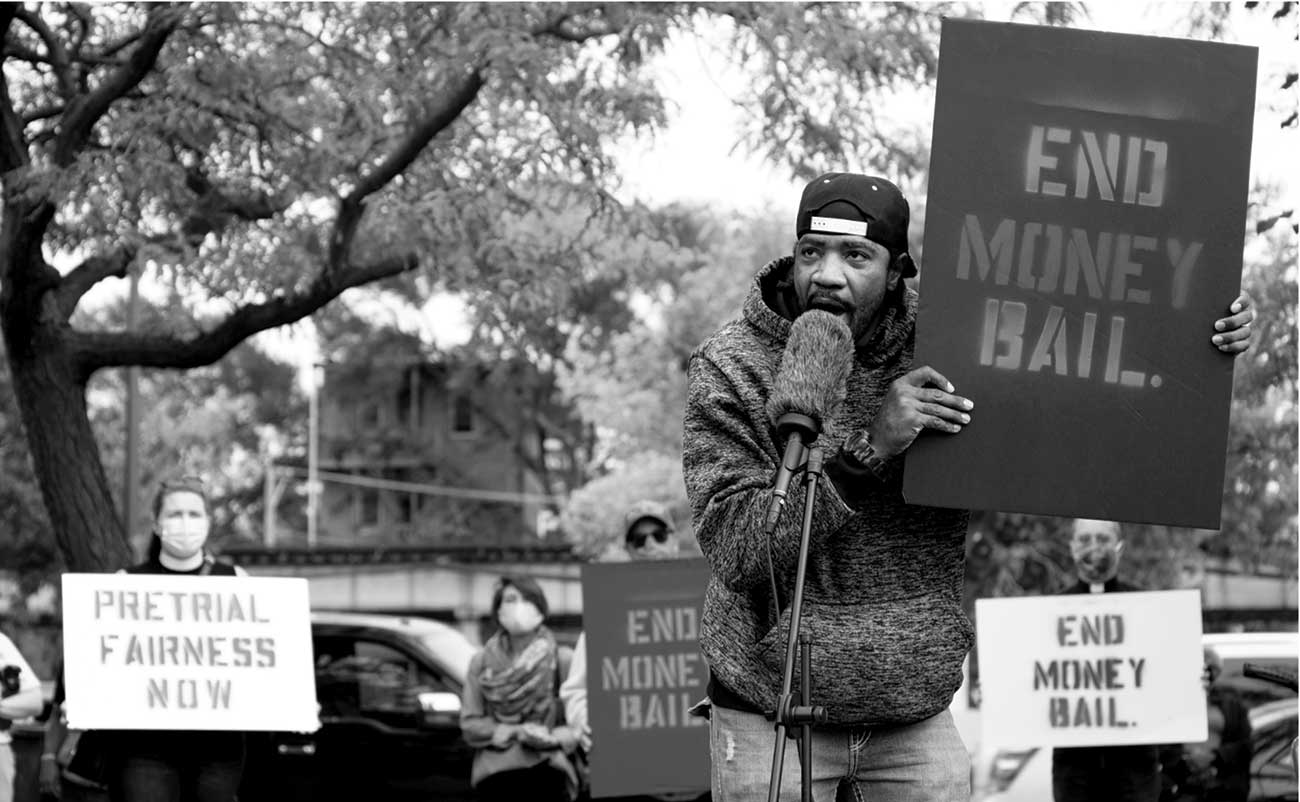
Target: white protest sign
<point>1091,669</point>
<point>156,652</point>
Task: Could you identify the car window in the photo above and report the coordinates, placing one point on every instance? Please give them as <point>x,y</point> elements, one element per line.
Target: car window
<point>1273,776</point>
<point>358,677</point>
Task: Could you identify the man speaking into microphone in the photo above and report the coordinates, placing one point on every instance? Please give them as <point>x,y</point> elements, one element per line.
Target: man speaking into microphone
<point>827,333</point>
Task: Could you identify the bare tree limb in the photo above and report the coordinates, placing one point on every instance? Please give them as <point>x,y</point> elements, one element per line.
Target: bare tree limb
<point>86,110</point>
<point>95,350</point>
<point>89,273</point>
<point>63,72</point>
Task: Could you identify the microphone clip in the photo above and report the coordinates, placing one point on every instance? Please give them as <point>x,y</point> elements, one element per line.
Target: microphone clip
<point>799,432</point>
<point>798,423</point>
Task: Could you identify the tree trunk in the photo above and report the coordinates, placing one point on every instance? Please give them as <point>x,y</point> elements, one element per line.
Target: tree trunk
<point>52,399</point>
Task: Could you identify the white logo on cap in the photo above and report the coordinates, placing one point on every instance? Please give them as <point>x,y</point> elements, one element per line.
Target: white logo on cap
<point>838,225</point>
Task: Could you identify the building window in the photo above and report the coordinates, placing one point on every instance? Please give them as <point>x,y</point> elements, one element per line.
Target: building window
<point>369,506</point>
<point>408,400</point>
<point>368,415</point>
<point>462,414</point>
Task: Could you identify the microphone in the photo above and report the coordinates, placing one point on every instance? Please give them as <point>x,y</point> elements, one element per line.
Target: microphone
<point>809,386</point>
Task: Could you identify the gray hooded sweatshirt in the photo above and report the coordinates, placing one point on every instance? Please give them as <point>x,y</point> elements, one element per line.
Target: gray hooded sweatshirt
<point>884,585</point>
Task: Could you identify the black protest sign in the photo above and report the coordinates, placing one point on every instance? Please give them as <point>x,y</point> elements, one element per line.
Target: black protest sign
<point>1084,228</point>
<point>644,672</point>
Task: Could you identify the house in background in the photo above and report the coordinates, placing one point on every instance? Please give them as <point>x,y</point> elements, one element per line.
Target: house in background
<point>451,452</point>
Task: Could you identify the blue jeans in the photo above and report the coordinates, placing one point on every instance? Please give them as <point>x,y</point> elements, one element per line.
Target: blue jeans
<point>921,762</point>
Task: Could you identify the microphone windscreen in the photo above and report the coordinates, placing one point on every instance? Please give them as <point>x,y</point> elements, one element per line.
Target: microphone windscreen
<point>814,373</point>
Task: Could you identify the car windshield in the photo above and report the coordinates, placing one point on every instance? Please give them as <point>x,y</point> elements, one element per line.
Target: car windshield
<point>451,650</point>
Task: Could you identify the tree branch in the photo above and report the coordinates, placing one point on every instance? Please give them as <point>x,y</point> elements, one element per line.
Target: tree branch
<point>8,11</point>
<point>215,208</point>
<point>58,55</point>
<point>43,113</point>
<point>83,112</point>
<point>406,152</point>
<point>352,206</point>
<point>113,49</point>
<point>95,350</point>
<point>561,28</point>
<point>22,52</point>
<point>89,273</point>
<point>13,148</point>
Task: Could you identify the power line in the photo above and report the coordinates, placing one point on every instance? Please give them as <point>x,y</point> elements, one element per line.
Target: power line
<point>425,489</point>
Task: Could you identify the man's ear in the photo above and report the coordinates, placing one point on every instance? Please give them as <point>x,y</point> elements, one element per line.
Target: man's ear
<point>897,267</point>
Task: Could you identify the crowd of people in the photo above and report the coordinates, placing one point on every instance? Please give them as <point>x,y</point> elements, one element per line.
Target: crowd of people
<point>883,588</point>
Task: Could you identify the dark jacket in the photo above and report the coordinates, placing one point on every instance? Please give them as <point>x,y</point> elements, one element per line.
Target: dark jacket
<point>883,590</point>
<point>1106,768</point>
<point>1228,778</point>
<point>181,747</point>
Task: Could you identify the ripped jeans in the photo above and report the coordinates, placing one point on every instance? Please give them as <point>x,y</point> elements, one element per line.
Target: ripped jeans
<point>921,762</point>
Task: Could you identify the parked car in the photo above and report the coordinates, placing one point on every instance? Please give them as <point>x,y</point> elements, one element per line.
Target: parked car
<point>389,689</point>
<point>1025,775</point>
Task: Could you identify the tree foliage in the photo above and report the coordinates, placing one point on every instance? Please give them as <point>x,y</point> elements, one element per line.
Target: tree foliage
<point>260,159</point>
<point>636,390</point>
<point>594,517</point>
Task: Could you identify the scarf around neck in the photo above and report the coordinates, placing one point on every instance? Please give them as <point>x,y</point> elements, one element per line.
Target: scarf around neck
<point>521,688</point>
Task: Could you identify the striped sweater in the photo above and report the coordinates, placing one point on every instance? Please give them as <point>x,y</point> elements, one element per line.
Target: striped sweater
<point>883,593</point>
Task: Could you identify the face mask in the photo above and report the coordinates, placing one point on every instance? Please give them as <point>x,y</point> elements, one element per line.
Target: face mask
<point>1098,564</point>
<point>520,618</point>
<point>183,539</point>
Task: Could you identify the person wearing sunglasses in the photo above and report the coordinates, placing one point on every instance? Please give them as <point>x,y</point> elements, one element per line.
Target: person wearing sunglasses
<point>648,534</point>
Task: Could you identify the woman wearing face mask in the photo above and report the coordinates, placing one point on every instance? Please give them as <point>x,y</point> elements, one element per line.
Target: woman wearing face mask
<point>159,766</point>
<point>511,714</point>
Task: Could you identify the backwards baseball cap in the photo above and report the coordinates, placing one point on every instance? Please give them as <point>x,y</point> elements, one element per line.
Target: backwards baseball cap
<point>861,205</point>
<point>647,509</point>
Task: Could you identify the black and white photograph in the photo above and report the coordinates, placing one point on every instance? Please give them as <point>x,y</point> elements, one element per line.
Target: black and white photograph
<point>649,402</point>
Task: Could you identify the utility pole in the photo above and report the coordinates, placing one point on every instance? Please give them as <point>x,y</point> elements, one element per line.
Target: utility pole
<point>313,456</point>
<point>268,498</point>
<point>132,478</point>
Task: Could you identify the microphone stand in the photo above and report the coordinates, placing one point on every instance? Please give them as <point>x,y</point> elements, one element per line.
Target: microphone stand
<point>794,710</point>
